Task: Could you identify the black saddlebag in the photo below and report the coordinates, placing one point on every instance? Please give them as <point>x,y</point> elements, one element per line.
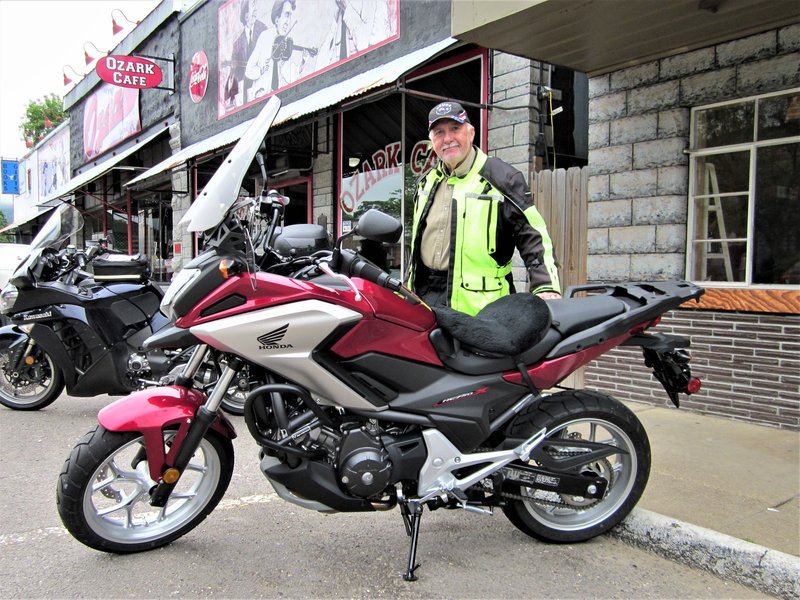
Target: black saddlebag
<point>121,267</point>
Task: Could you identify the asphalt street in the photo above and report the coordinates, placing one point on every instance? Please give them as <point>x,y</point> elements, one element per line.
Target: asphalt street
<point>255,545</point>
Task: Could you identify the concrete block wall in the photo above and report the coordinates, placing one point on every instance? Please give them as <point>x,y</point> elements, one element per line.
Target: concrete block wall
<point>513,131</point>
<point>324,205</point>
<point>638,132</point>
<point>638,195</point>
<point>749,365</point>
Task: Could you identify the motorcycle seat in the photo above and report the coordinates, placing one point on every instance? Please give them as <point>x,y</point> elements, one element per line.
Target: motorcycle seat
<point>465,353</point>
<point>571,315</point>
<point>506,327</point>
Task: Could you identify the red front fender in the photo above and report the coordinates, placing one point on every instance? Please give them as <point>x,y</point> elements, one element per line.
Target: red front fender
<point>153,410</point>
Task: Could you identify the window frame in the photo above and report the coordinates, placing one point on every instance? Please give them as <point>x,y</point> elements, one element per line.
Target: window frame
<point>752,148</point>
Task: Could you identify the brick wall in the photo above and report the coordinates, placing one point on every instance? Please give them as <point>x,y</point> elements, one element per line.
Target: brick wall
<point>749,365</point>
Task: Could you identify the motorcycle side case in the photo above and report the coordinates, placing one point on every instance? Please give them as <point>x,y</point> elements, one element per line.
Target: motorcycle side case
<point>121,267</point>
<point>151,411</point>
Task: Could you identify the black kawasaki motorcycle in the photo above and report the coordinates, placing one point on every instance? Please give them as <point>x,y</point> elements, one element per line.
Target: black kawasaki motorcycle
<point>78,319</point>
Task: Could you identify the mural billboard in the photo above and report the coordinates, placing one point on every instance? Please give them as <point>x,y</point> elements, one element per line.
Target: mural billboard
<point>111,115</point>
<point>54,169</point>
<point>266,46</point>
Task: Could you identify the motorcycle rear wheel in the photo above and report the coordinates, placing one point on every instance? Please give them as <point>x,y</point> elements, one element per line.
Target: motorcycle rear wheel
<point>37,384</point>
<point>585,415</point>
<point>103,491</point>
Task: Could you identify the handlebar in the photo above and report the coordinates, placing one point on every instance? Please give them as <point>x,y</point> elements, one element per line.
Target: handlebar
<point>353,265</point>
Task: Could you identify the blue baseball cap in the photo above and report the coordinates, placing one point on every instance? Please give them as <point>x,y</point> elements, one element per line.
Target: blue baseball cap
<point>447,110</point>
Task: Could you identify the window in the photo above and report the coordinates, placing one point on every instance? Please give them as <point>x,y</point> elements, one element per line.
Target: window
<point>744,196</point>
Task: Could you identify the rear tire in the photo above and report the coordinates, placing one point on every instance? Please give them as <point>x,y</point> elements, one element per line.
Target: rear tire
<point>585,415</point>
<point>103,491</point>
<point>33,386</point>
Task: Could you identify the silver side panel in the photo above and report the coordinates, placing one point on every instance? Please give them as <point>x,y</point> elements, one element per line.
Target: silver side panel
<point>281,338</point>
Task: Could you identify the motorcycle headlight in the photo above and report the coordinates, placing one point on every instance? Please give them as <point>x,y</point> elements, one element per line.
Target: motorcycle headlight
<point>7,298</point>
<point>180,283</point>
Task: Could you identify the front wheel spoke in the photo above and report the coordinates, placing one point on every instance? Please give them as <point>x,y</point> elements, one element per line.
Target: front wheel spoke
<point>100,485</point>
<point>182,496</point>
<point>126,504</point>
<point>124,473</point>
<point>199,468</point>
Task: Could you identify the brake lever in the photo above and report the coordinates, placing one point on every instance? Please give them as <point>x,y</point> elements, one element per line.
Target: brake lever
<point>326,268</point>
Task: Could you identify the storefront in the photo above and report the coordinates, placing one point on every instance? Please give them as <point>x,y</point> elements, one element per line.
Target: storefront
<point>119,127</point>
<point>352,130</point>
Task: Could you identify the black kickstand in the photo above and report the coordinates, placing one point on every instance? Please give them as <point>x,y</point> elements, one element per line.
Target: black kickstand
<point>412,515</point>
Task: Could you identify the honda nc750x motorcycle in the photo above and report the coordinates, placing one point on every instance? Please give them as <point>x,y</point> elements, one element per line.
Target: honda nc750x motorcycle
<point>373,399</point>
<point>82,330</point>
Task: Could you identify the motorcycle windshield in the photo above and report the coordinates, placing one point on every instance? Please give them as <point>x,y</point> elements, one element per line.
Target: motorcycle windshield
<point>65,221</point>
<point>209,209</point>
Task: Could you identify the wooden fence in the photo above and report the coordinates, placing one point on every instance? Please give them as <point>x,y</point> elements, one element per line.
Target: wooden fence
<point>562,198</point>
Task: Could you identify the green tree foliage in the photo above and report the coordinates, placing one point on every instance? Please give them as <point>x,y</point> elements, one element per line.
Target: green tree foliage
<point>7,236</point>
<point>41,116</point>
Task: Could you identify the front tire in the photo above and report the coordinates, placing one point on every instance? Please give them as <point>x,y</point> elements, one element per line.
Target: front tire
<point>103,491</point>
<point>585,416</point>
<point>36,383</point>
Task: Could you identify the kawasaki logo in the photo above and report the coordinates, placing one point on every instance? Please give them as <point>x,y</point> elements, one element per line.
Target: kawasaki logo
<point>42,315</point>
<point>270,341</point>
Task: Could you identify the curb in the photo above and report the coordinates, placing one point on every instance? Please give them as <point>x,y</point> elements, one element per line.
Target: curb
<point>763,569</point>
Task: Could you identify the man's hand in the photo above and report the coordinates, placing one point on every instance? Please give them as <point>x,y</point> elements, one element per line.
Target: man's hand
<point>549,295</point>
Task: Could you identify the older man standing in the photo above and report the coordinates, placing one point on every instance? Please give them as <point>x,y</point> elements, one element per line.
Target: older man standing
<point>470,213</point>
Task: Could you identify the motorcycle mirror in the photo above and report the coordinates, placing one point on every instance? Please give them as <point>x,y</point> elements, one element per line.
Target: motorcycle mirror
<point>378,226</point>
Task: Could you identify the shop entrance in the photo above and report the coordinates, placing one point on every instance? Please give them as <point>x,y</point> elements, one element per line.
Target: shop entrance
<point>155,238</point>
<point>298,191</point>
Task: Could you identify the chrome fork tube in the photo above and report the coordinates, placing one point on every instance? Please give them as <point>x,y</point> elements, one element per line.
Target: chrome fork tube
<point>195,360</point>
<point>221,388</point>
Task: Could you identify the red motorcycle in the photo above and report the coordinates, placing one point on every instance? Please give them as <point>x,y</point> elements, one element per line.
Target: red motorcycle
<point>371,399</point>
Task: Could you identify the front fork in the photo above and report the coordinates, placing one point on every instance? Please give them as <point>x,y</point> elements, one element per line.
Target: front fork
<point>188,439</point>
<point>23,360</point>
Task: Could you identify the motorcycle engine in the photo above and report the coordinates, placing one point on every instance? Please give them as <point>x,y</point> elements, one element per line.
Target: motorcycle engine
<point>138,365</point>
<point>363,465</point>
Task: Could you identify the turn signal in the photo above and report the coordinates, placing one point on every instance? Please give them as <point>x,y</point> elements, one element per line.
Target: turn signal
<point>170,476</point>
<point>693,386</point>
<point>226,267</point>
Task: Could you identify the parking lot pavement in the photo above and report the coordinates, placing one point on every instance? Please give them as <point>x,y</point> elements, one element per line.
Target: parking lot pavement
<point>258,546</point>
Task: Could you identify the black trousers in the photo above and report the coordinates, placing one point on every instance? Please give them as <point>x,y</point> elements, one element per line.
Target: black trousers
<point>434,289</point>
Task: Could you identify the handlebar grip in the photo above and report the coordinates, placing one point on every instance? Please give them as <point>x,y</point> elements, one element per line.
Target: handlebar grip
<point>368,271</point>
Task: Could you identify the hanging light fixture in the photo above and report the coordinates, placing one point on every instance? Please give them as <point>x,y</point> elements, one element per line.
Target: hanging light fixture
<point>116,27</point>
<point>70,79</point>
<point>88,57</point>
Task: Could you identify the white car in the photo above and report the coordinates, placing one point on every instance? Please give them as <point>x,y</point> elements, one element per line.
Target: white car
<point>10,257</point>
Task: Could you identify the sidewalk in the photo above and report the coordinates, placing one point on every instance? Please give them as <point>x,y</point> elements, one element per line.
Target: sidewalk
<point>712,478</point>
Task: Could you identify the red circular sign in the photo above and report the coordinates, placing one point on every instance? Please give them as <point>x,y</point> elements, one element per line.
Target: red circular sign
<point>198,76</point>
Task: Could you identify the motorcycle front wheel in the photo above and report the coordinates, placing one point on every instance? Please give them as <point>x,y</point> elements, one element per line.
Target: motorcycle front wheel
<point>35,383</point>
<point>103,493</point>
<point>602,422</point>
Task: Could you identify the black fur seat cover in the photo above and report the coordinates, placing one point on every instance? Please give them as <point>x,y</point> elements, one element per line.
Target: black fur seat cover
<point>508,326</point>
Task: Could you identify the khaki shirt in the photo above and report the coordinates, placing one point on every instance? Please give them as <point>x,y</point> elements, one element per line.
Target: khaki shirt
<point>435,243</point>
